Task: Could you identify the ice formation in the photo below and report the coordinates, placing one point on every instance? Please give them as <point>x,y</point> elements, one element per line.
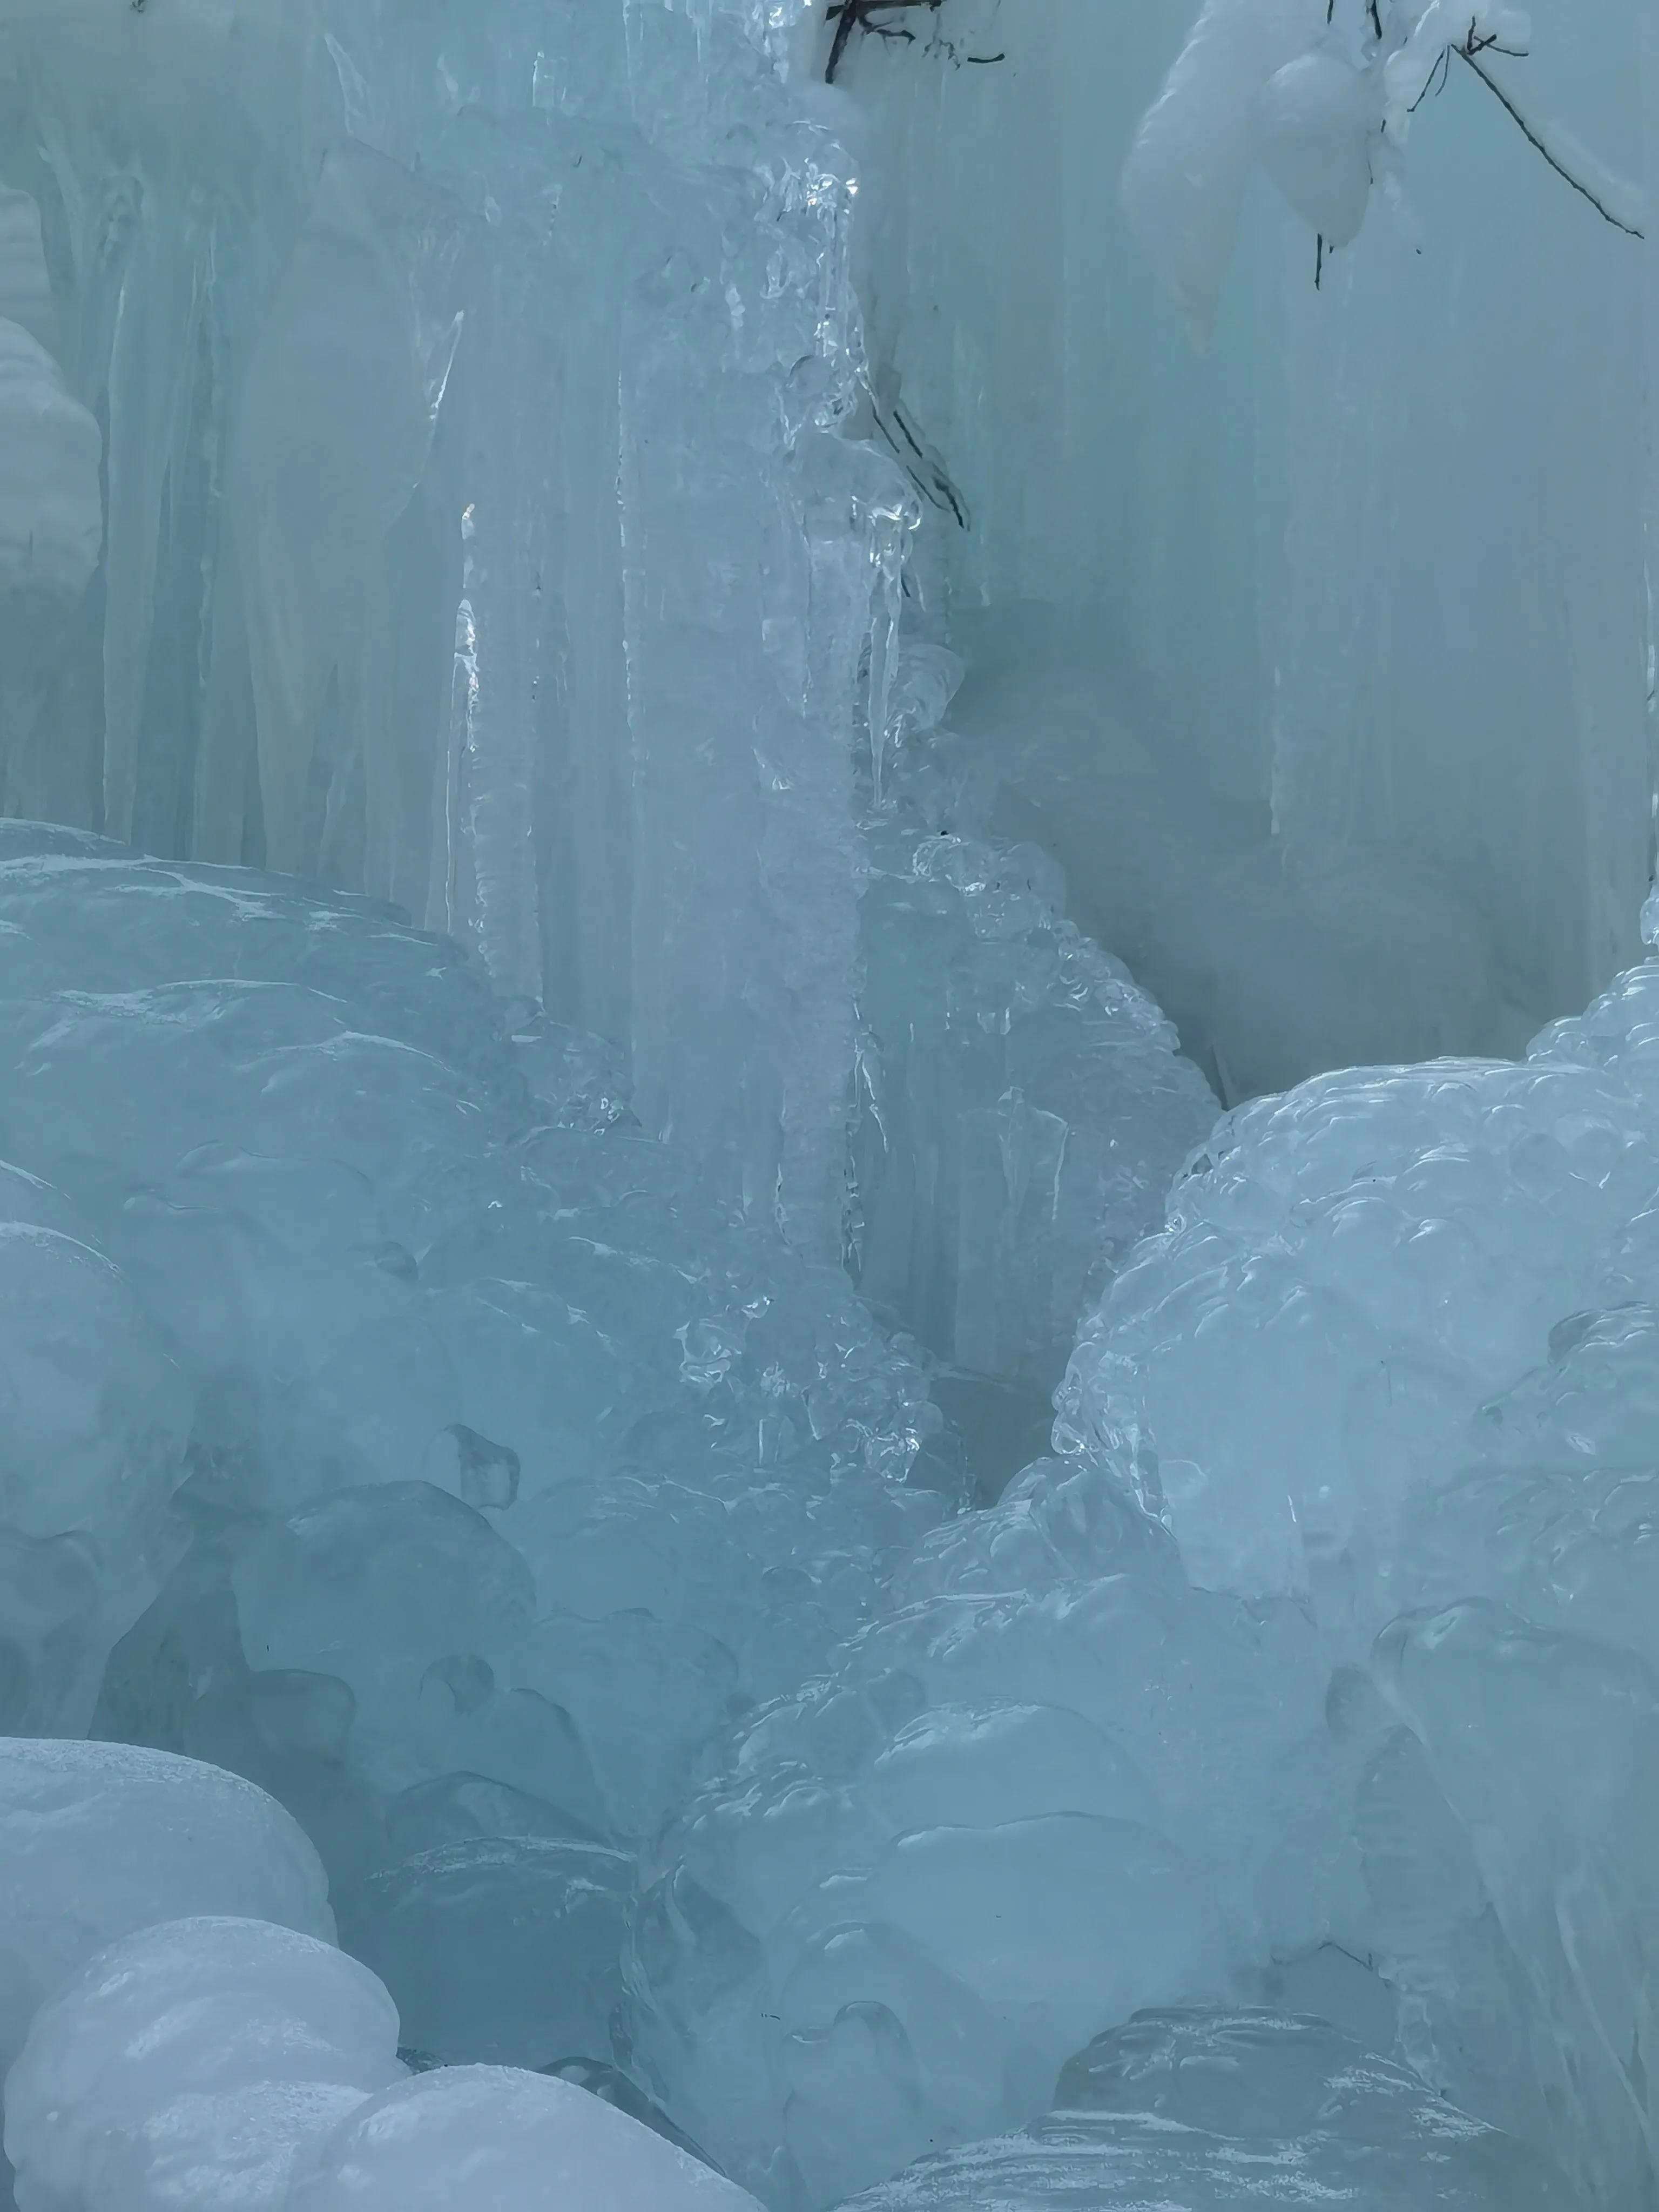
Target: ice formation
<point>676,1527</point>
<point>1194,2108</point>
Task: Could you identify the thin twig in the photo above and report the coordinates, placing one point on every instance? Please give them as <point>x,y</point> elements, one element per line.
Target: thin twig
<point>850,16</point>
<point>1534,140</point>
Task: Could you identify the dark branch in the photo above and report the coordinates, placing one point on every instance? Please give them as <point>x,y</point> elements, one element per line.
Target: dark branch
<point>850,16</point>
<point>1539,146</point>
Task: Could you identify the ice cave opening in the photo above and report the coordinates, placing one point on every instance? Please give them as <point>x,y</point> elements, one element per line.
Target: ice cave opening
<point>829,1106</point>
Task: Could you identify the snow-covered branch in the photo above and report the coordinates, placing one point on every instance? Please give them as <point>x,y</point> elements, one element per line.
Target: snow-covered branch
<point>1321,94</point>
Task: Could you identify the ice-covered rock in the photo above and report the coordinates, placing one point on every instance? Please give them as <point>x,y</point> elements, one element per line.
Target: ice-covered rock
<point>1369,1262</point>
<point>512,1462</point>
<point>499,1948</point>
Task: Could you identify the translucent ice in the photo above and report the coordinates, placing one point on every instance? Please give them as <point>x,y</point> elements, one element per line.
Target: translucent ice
<point>455,470</point>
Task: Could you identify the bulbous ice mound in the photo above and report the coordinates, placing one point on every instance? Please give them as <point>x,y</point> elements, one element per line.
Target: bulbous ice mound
<point>191,2067</point>
<point>1395,1354</point>
<point>98,1840</point>
<point>1207,2111</point>
<point>1054,1785</point>
<point>505,2142</point>
<point>1331,1624</point>
<point>1354,1278</point>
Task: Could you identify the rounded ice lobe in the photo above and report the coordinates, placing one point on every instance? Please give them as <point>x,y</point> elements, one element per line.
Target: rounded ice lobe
<point>1185,177</point>
<point>187,2068</point>
<point>1317,118</point>
<point>51,510</point>
<point>98,1840</point>
<point>501,2141</point>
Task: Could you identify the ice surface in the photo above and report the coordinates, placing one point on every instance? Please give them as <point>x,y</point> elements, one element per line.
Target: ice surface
<point>516,2142</point>
<point>514,1459</point>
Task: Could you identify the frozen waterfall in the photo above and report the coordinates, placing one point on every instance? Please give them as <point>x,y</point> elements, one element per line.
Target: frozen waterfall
<point>829,1106</point>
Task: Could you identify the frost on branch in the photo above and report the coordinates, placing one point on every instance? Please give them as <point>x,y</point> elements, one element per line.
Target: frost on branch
<point>1321,94</point>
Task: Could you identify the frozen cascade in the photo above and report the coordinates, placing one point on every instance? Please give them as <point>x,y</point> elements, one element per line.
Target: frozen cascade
<point>623,667</point>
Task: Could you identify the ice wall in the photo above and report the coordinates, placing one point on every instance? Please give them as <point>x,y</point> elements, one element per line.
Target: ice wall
<point>1333,636</point>
<point>474,536</point>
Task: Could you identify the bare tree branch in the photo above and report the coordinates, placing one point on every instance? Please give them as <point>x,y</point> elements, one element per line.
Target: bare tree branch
<point>1533,140</point>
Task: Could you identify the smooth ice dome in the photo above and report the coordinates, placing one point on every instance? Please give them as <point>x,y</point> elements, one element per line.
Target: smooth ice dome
<point>192,2065</point>
<point>101,1839</point>
<point>510,2142</point>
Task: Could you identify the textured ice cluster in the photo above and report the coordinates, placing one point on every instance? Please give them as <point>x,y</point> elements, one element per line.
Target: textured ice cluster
<point>1427,1298</point>
<point>424,1444</point>
<point>1326,1633</point>
<point>188,2064</point>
